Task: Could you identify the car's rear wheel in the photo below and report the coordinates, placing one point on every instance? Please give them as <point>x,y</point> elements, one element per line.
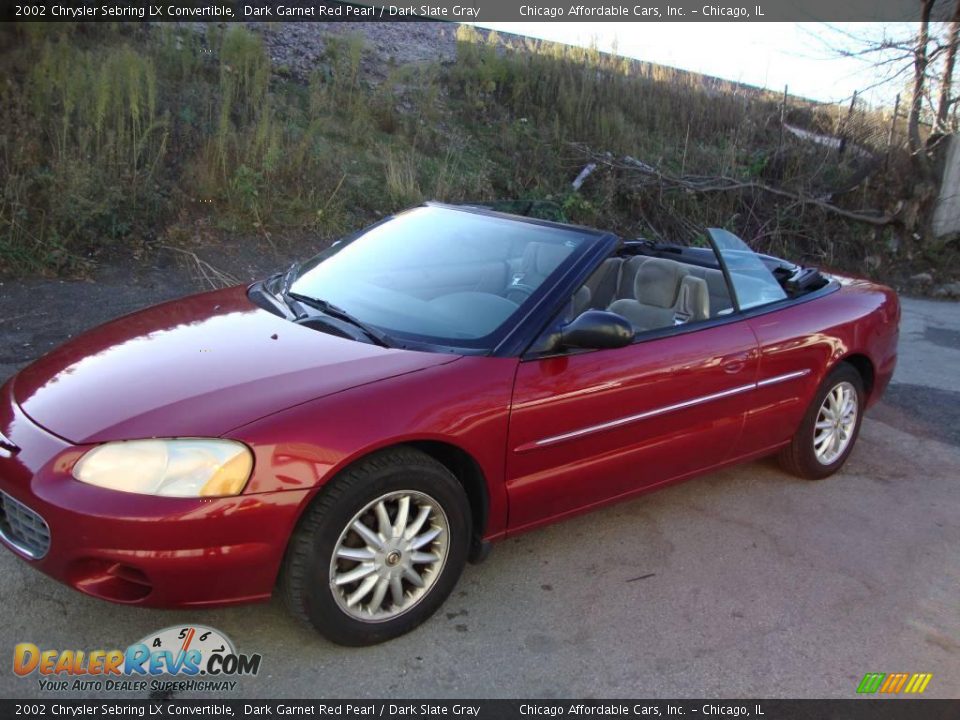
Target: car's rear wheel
<point>829,429</point>
<point>379,550</point>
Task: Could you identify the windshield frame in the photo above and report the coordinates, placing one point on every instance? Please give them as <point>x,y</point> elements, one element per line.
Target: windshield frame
<point>510,338</point>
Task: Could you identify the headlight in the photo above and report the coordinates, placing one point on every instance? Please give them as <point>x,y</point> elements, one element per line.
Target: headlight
<point>188,467</point>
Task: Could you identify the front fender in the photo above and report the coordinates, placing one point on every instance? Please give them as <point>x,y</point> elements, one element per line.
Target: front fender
<point>464,404</point>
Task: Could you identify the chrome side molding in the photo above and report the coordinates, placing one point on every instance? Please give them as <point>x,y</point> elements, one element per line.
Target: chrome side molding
<point>589,430</point>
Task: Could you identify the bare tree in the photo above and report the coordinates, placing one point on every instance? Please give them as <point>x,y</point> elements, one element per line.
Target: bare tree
<point>924,60</point>
<point>946,78</point>
<point>920,61</point>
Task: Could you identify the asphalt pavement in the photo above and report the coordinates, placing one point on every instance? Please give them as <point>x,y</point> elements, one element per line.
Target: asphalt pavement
<point>745,582</point>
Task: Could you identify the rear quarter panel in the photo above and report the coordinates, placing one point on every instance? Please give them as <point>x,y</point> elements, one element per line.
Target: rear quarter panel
<point>860,319</point>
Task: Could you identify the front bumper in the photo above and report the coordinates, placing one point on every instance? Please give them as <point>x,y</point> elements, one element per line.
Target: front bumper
<point>137,549</point>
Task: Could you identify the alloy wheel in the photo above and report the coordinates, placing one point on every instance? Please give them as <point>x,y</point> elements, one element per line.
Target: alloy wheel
<point>836,422</point>
<point>389,556</point>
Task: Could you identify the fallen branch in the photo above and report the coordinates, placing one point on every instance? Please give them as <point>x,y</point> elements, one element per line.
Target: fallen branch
<point>207,272</point>
<point>649,175</point>
<point>804,200</point>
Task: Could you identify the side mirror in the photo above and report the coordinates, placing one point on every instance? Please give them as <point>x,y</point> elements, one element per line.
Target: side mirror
<point>597,330</point>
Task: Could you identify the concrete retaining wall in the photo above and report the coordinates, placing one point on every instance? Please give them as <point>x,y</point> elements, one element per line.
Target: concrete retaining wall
<point>946,215</point>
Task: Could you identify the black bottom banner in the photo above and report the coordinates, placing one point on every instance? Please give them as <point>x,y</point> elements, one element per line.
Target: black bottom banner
<point>852,709</point>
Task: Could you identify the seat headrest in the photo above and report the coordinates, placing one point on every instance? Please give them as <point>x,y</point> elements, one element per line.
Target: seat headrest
<point>694,300</point>
<point>581,300</point>
<point>658,282</point>
<point>543,258</point>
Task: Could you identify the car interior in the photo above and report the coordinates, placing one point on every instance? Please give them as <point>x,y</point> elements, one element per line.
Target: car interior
<point>657,285</point>
<point>472,299</point>
<point>467,281</point>
<point>654,292</point>
<point>460,288</point>
<point>651,292</point>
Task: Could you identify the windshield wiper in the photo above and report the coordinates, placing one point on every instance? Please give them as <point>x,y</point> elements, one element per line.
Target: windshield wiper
<point>281,289</point>
<point>378,336</point>
<point>296,302</point>
<point>289,275</point>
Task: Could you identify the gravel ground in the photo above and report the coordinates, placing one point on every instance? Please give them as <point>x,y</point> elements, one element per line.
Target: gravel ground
<point>298,47</point>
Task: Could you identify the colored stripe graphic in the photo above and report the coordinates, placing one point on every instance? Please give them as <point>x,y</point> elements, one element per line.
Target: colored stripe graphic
<point>871,682</point>
<point>918,683</point>
<point>894,683</point>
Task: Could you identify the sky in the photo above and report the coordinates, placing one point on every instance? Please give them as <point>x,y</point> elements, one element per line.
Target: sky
<point>802,56</point>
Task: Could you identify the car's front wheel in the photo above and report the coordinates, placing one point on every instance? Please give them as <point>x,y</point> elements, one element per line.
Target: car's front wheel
<point>379,550</point>
<point>829,429</point>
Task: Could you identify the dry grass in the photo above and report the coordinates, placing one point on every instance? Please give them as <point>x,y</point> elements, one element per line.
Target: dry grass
<point>113,135</point>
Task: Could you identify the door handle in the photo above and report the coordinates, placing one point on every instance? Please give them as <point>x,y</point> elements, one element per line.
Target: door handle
<point>735,364</point>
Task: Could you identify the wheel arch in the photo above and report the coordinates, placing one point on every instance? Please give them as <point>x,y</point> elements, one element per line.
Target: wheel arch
<point>865,367</point>
<point>464,467</point>
<point>468,472</point>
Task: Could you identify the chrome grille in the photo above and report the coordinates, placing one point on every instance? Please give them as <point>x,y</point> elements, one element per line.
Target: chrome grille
<point>22,528</point>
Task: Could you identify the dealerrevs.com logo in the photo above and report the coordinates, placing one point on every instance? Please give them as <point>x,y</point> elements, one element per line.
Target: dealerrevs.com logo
<point>200,657</point>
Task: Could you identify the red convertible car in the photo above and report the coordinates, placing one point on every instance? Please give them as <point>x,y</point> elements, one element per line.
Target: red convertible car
<point>355,429</point>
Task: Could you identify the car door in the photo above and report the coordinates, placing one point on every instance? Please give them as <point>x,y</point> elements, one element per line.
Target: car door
<point>588,427</point>
<point>793,353</point>
<point>793,348</point>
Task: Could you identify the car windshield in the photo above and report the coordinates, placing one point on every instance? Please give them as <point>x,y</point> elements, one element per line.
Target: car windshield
<point>440,275</point>
<point>753,282</point>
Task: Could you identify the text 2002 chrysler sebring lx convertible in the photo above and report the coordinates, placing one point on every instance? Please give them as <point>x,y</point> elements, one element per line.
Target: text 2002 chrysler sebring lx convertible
<point>356,428</point>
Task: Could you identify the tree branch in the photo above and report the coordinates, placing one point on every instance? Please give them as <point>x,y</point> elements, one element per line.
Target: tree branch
<point>649,175</point>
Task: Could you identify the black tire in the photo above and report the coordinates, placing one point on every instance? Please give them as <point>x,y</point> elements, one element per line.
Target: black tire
<point>305,575</point>
<point>799,457</point>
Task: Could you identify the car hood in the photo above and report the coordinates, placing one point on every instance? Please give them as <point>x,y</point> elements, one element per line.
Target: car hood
<point>199,366</point>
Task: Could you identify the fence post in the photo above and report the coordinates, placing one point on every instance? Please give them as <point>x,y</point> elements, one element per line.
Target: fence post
<point>783,112</point>
<point>846,124</point>
<point>893,129</point>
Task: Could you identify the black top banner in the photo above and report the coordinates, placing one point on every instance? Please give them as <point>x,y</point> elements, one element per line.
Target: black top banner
<point>468,10</point>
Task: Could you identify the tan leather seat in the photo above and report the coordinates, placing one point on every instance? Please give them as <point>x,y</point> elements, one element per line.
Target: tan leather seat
<point>603,283</point>
<point>538,261</point>
<point>716,287</point>
<point>628,277</point>
<point>579,303</point>
<point>664,295</point>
